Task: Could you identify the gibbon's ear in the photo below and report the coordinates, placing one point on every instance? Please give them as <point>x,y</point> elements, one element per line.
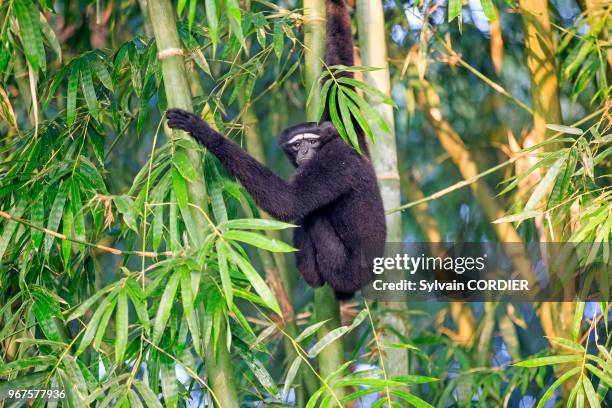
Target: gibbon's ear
<point>328,131</point>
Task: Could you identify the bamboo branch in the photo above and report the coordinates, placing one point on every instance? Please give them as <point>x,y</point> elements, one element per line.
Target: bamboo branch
<point>104,248</point>
<point>373,53</point>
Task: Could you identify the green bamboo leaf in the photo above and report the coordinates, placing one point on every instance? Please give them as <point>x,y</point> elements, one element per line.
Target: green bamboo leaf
<point>188,298</point>
<point>550,391</point>
<point>314,398</point>
<point>226,280</point>
<point>21,382</point>
<point>369,89</point>
<point>148,396</point>
<point>157,229</point>
<point>278,40</point>
<point>577,324</point>
<point>180,7</point>
<point>173,219</point>
<point>121,327</point>
<point>165,307</point>
<point>77,380</point>
<point>66,244</point>
<point>310,330</point>
<point>291,374</point>
<point>454,9</point>
<point>145,98</point>
<point>323,97</point>
<point>544,361</point>
<point>488,9</point>
<point>92,326</point>
<point>362,393</point>
<point>125,205</point>
<point>73,83</point>
<point>192,13</point>
<point>50,36</point>
<point>103,74</point>
<point>260,372</point>
<point>524,215</point>
<point>235,19</point>
<point>590,392</point>
<point>369,111</point>
<point>89,91</point>
<point>328,339</point>
<point>88,304</point>
<point>200,59</point>
<point>258,240</point>
<point>347,121</point>
<point>568,344</point>
<point>15,366</point>
<point>47,311</point>
<point>212,17</point>
<point>169,383</point>
<point>545,184</point>
<point>182,198</point>
<point>333,113</point>
<point>603,350</point>
<point>605,378</point>
<point>135,68</point>
<point>563,182</point>
<point>78,214</point>
<point>361,120</point>
<point>411,399</point>
<point>586,156</point>
<point>134,400</point>
<point>258,283</point>
<point>181,162</point>
<point>10,227</point>
<point>101,330</point>
<point>30,36</point>
<point>138,297</point>
<point>255,224</point>
<point>564,129</point>
<point>217,201</point>
<point>55,215</point>
<point>37,215</point>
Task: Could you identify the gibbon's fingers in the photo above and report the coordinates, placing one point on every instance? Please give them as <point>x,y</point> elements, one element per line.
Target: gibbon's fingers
<point>180,119</point>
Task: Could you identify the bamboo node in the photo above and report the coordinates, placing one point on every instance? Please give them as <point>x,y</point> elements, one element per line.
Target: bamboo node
<point>169,52</point>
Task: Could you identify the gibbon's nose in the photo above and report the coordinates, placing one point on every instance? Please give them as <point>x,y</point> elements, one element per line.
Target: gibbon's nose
<point>304,150</point>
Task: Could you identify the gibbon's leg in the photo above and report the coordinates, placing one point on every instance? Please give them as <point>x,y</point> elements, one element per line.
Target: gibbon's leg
<point>305,257</point>
<point>283,200</point>
<point>335,262</point>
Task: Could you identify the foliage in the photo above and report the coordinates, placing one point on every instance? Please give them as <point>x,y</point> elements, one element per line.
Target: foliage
<point>111,289</point>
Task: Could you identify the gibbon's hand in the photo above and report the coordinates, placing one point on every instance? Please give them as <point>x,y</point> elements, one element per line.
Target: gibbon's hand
<point>190,122</point>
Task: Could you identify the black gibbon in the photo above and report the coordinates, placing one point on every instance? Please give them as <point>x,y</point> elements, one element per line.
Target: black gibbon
<point>333,195</point>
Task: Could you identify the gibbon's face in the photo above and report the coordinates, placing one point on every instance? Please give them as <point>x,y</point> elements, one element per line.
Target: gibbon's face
<point>301,142</point>
<point>304,146</point>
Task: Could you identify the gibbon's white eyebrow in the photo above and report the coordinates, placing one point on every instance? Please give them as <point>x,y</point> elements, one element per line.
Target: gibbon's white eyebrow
<point>302,136</point>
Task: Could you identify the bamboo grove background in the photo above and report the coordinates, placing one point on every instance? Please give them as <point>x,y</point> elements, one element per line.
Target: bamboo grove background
<point>135,272</point>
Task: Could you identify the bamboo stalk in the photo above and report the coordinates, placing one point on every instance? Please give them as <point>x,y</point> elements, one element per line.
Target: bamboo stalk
<point>383,153</point>
<point>541,57</point>
<point>161,14</point>
<point>555,318</point>
<point>326,305</point>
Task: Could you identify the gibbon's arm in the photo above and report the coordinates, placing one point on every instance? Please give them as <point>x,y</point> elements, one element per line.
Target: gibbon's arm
<point>283,200</point>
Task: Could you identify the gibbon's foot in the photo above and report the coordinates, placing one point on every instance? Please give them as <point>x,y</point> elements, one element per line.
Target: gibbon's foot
<point>181,119</point>
<point>344,296</point>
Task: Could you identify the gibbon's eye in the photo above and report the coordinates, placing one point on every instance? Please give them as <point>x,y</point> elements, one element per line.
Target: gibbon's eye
<point>313,141</point>
<point>296,146</point>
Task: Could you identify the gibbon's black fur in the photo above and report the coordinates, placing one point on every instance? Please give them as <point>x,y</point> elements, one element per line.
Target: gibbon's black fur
<point>333,195</point>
